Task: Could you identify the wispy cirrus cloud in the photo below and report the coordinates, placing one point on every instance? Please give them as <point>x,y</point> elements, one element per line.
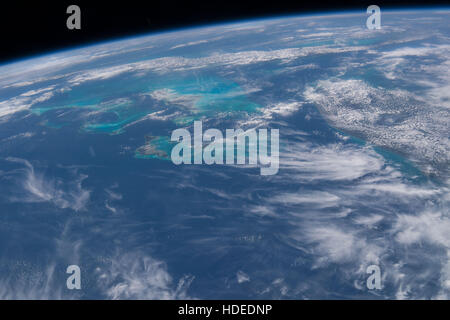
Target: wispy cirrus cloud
<point>351,218</point>
<point>141,277</point>
<point>39,188</point>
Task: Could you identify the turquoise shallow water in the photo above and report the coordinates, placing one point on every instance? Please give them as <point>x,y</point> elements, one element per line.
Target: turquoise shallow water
<point>193,97</point>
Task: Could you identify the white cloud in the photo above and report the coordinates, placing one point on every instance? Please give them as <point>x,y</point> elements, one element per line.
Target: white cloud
<point>389,118</point>
<point>42,189</point>
<point>140,277</point>
<point>192,43</point>
<point>33,284</point>
<point>242,277</point>
<point>330,162</point>
<point>432,227</point>
<point>316,199</point>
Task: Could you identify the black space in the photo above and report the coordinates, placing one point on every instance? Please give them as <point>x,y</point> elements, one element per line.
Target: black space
<point>35,27</point>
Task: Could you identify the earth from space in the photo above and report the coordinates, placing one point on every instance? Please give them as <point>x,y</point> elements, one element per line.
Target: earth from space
<point>86,177</point>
